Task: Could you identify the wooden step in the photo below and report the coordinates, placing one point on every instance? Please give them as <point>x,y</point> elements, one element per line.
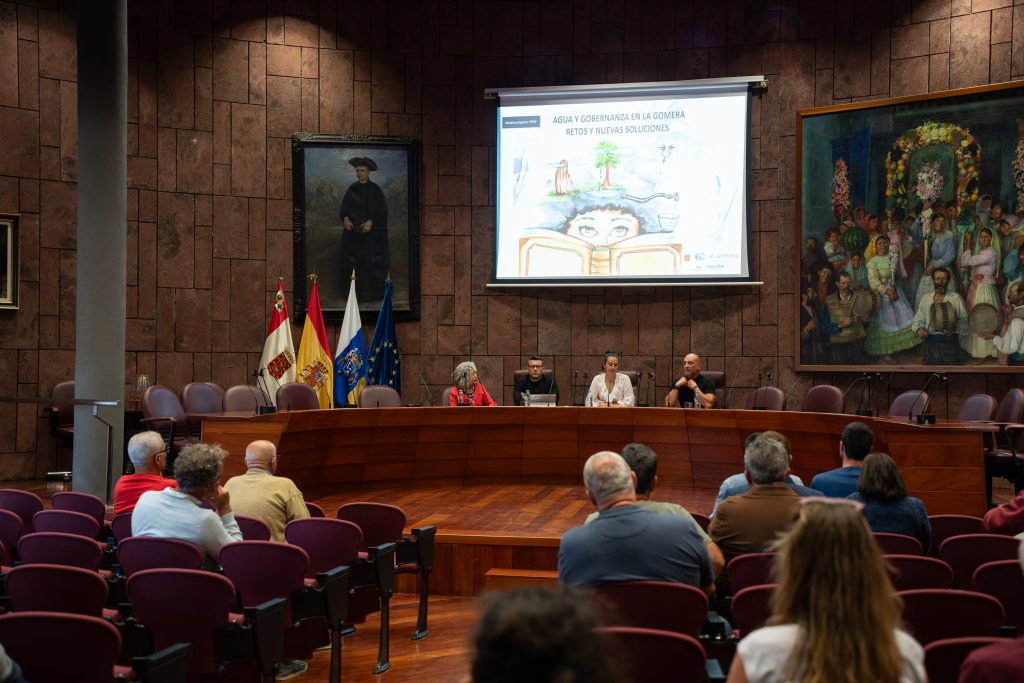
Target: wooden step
<point>500,579</point>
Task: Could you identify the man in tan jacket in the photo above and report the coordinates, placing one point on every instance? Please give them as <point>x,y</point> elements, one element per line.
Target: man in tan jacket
<point>258,493</point>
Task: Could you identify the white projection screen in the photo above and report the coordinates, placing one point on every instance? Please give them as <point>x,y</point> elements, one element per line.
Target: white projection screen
<point>631,184</point>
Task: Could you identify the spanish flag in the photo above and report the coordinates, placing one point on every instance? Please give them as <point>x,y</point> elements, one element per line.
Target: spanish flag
<point>315,366</point>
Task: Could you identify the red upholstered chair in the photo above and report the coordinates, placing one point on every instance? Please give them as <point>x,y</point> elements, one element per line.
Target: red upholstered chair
<point>201,398</point>
<point>243,397</point>
<point>1002,457</point>
<point>934,614</point>
<point>1004,581</point>
<point>897,544</point>
<point>66,522</point>
<point>139,553</point>
<point>946,526</point>
<point>163,412</point>
<point>721,393</point>
<point>190,606</point>
<point>915,571</point>
<point>978,408</point>
<point>121,526</point>
<point>942,658</point>
<point>253,528</point>
<point>10,532</point>
<point>56,588</point>
<point>69,550</point>
<point>652,656</point>
<point>660,605</point>
<point>767,398</point>
<point>379,396</point>
<point>751,569</point>
<point>703,520</point>
<point>823,398</point>
<point>25,504</point>
<point>85,503</point>
<point>315,510</point>
<point>296,396</point>
<point>751,607</point>
<point>912,403</point>
<point>968,552</point>
<point>88,649</point>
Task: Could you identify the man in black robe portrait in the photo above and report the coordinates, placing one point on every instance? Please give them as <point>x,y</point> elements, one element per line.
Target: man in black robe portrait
<point>364,237</point>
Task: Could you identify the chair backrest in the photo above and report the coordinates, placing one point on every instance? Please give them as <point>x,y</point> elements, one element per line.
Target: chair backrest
<point>56,588</point>
<point>25,504</point>
<point>140,553</point>
<point>66,522</point>
<point>915,571</point>
<point>329,543</point>
<point>520,375</point>
<point>296,396</point>
<point>159,401</point>
<point>968,552</point>
<point>770,398</point>
<point>652,656</point>
<point>243,397</point>
<point>88,646</point>
<point>978,408</point>
<point>946,526</point>
<point>751,607</point>
<point>823,398</point>
<point>263,570</point>
<point>703,520</point>
<point>70,550</point>
<point>634,378</point>
<point>315,510</point>
<point>10,532</point>
<point>1004,581</point>
<point>897,544</point>
<point>933,614</point>
<point>183,606</point>
<point>80,502</point>
<point>942,658</point>
<point>661,605</point>
<point>721,392</point>
<point>65,413</point>
<point>202,398</point>
<point>1011,407</point>
<point>379,522</point>
<point>751,569</point>
<point>912,403</point>
<point>379,396</point>
<point>253,528</point>
<point>121,525</point>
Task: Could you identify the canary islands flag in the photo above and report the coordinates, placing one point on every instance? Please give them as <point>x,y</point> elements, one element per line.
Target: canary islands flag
<point>314,362</point>
<point>383,363</point>
<point>350,360</point>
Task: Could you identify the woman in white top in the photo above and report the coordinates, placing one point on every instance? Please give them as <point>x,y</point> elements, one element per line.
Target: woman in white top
<point>610,389</point>
<point>835,615</point>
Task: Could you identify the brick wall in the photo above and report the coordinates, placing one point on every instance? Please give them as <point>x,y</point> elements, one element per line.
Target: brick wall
<point>217,88</point>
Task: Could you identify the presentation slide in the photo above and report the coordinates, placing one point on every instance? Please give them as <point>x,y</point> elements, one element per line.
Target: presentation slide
<point>623,189</point>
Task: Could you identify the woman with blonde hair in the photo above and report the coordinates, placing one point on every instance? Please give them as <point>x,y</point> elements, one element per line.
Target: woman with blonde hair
<point>836,617</point>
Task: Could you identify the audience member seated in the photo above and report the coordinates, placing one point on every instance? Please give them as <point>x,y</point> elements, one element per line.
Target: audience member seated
<point>537,635</point>
<point>996,663</point>
<point>693,389</point>
<point>854,445</point>
<point>628,542</point>
<point>148,454</point>
<point>610,388</point>
<point>887,507</point>
<point>1006,519</point>
<point>737,483</point>
<point>258,493</point>
<point>535,382</point>
<point>749,522</point>
<point>10,672</point>
<point>180,514</point>
<point>835,612</point>
<point>467,390</point>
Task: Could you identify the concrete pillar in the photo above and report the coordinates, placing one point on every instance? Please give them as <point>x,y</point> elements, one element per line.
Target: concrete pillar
<point>102,219</point>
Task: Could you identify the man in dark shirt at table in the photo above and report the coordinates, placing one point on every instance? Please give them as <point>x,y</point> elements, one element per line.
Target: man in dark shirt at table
<point>535,382</point>
<point>693,390</point>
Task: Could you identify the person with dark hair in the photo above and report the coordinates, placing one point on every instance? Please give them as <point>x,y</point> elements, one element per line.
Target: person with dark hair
<point>887,506</point>
<point>940,321</point>
<point>854,445</point>
<point>364,237</point>
<point>738,483</point>
<point>845,329</point>
<point>983,264</point>
<point>610,389</point>
<point>539,635</point>
<point>534,382</point>
<point>644,463</point>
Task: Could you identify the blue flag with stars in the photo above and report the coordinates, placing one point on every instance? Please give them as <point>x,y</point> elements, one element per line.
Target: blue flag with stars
<point>383,352</point>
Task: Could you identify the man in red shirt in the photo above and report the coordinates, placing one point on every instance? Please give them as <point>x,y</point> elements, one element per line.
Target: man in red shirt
<point>148,454</point>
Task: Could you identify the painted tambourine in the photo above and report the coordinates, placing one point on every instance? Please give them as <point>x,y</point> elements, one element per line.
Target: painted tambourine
<point>984,319</point>
<point>866,302</point>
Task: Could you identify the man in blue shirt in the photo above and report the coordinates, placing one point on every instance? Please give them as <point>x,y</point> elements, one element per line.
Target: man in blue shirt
<point>854,446</point>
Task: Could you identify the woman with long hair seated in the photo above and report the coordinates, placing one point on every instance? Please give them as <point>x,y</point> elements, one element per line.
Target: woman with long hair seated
<point>467,390</point>
<point>835,615</point>
<point>887,506</point>
<point>610,389</point>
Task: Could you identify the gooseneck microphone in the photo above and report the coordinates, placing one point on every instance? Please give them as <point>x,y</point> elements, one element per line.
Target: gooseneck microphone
<point>842,399</point>
<point>267,406</point>
<point>923,417</point>
<point>792,386</point>
<point>728,392</point>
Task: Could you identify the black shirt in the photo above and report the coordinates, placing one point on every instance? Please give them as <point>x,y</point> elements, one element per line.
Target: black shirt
<point>704,383</point>
<point>544,385</point>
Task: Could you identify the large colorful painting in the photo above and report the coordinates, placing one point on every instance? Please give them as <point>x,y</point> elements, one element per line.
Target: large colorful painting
<point>910,230</point>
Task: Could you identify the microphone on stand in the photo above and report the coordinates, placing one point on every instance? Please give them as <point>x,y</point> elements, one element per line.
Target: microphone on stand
<point>769,378</point>
<point>792,386</point>
<point>728,393</point>
<point>586,375</point>
<point>923,417</point>
<point>639,383</point>
<point>651,389</point>
<point>575,374</point>
<point>430,396</point>
<point>866,400</point>
<point>842,398</point>
<point>267,406</point>
<point>885,388</point>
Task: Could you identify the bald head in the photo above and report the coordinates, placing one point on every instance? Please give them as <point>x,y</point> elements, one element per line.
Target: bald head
<point>143,449</point>
<point>608,479</point>
<point>691,365</point>
<point>261,454</point>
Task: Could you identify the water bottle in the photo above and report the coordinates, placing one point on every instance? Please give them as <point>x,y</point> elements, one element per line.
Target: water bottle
<point>526,398</point>
<point>589,401</point>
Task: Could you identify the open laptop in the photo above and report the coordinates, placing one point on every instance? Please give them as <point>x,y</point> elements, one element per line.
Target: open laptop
<point>543,400</point>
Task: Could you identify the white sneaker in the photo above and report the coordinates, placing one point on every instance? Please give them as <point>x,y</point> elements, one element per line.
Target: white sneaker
<point>290,668</point>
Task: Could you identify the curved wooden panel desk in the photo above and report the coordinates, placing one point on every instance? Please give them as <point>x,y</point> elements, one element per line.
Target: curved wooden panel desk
<point>942,464</point>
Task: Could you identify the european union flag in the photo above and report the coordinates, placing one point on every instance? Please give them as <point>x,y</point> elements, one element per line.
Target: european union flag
<point>383,352</point>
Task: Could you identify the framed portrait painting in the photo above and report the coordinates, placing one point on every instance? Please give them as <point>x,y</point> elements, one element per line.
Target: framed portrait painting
<point>910,226</point>
<point>356,208</point>
<point>9,261</point>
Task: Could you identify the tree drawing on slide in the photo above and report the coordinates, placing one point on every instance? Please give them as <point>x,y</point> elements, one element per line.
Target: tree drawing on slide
<point>608,157</point>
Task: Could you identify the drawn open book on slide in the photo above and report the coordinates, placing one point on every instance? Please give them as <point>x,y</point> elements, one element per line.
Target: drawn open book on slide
<point>545,253</point>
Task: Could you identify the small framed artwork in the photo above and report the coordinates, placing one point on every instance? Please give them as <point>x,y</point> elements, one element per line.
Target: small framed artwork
<point>9,261</point>
<point>910,233</point>
<point>356,208</point>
